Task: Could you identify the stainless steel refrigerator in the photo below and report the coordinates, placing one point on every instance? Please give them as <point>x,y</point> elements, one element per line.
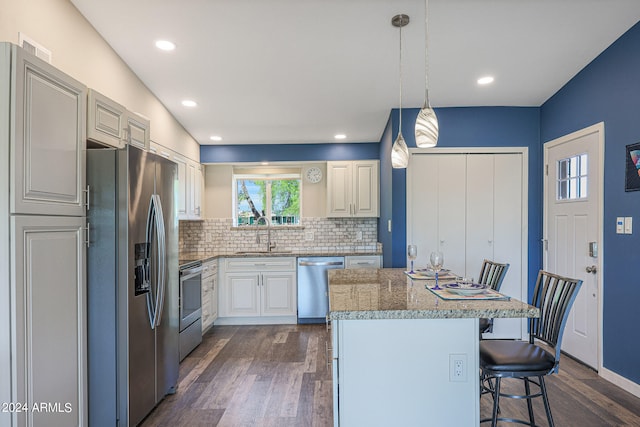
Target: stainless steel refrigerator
<point>132,284</point>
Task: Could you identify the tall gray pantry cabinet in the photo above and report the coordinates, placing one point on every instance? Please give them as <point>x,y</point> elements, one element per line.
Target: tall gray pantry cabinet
<point>42,250</point>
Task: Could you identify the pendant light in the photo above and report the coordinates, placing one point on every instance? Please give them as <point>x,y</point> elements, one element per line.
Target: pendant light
<point>427,122</point>
<point>400,151</point>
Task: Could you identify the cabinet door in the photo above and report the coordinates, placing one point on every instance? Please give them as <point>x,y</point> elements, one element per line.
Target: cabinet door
<point>339,186</point>
<point>50,318</point>
<point>183,187</point>
<point>365,189</point>
<point>207,285</point>
<point>105,120</point>
<point>138,131</point>
<point>278,292</point>
<point>195,184</point>
<point>50,131</point>
<point>214,298</point>
<point>242,294</point>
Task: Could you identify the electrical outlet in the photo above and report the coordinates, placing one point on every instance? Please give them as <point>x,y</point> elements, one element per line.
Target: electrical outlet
<point>620,225</point>
<point>358,235</point>
<point>308,235</point>
<point>208,237</point>
<point>458,367</point>
<point>628,225</point>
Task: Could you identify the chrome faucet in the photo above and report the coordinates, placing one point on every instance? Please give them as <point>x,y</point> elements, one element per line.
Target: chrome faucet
<point>270,244</point>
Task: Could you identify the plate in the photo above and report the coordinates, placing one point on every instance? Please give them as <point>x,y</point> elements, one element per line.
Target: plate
<point>430,273</point>
<point>460,289</point>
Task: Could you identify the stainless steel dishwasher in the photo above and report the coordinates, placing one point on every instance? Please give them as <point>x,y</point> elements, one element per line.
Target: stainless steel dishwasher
<point>313,290</point>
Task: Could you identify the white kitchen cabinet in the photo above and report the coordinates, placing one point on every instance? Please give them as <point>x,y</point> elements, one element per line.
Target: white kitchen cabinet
<point>190,188</point>
<point>111,124</point>
<point>353,188</point>
<point>49,318</point>
<point>363,261</point>
<point>258,290</point>
<point>42,253</point>
<point>471,207</point>
<point>138,131</point>
<point>209,293</point>
<point>105,120</point>
<point>196,186</point>
<point>48,134</point>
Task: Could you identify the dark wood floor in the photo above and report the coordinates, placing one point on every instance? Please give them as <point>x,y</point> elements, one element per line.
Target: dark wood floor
<point>277,376</point>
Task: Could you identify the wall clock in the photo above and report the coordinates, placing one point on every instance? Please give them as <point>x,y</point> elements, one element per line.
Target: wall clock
<point>314,175</point>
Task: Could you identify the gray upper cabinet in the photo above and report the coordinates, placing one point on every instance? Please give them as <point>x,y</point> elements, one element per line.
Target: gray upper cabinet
<point>48,111</point>
<point>105,120</point>
<point>111,124</point>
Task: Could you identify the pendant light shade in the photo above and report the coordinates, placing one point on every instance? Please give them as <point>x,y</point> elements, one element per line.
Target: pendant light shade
<point>427,121</point>
<point>400,151</point>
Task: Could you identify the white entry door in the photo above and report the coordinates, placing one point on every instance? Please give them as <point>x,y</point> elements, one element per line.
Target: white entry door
<point>572,226</point>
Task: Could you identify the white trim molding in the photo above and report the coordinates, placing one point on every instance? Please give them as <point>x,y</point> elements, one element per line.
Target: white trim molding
<point>622,382</point>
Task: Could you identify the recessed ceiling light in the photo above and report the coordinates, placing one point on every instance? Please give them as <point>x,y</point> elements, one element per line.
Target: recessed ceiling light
<point>340,136</point>
<point>485,80</point>
<point>165,45</point>
<point>264,163</point>
<point>189,103</point>
<point>215,138</point>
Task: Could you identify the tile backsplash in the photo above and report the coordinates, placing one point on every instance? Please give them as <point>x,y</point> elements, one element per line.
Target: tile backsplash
<point>312,235</point>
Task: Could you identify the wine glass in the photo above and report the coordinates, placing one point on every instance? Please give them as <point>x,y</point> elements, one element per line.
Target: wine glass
<point>412,253</point>
<point>437,261</point>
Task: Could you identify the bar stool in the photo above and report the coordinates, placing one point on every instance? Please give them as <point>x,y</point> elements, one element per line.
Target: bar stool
<point>491,274</point>
<point>553,296</point>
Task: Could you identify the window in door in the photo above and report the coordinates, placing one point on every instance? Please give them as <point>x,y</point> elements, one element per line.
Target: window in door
<point>273,196</point>
<point>572,178</point>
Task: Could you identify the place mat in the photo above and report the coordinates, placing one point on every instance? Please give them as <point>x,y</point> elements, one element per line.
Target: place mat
<point>442,276</point>
<point>488,294</point>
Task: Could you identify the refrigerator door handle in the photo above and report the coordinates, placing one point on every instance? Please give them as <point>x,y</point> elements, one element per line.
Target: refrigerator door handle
<point>151,224</point>
<point>162,259</point>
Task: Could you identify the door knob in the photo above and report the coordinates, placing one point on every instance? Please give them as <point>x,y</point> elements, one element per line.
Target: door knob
<point>593,269</point>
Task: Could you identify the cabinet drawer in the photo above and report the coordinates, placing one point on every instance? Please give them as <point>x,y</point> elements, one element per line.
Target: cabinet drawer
<point>209,268</point>
<point>261,264</point>
<point>363,261</point>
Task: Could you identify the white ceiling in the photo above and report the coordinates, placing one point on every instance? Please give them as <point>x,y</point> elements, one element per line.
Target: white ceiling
<point>300,71</point>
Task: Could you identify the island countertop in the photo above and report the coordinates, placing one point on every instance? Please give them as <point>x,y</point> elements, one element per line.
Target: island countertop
<point>390,294</point>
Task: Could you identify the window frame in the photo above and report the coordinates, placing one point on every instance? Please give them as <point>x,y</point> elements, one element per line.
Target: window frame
<point>265,176</point>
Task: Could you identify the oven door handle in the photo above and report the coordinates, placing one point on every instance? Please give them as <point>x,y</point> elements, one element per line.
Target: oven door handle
<point>190,272</point>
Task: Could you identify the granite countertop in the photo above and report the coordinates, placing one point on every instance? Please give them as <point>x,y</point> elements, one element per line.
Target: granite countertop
<point>390,294</point>
<point>185,258</point>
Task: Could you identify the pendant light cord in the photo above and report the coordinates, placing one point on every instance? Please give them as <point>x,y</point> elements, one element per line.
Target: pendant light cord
<point>400,124</point>
<point>426,53</point>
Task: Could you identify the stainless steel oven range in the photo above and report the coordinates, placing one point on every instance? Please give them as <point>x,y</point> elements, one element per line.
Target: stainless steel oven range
<point>190,304</point>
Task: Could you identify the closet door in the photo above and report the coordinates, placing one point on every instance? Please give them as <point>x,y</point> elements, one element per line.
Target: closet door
<point>437,208</point>
<point>470,207</point>
<point>480,212</point>
<point>507,237</point>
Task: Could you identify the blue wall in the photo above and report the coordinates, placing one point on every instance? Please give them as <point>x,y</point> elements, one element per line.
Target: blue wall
<point>470,127</point>
<point>288,152</point>
<point>608,90</point>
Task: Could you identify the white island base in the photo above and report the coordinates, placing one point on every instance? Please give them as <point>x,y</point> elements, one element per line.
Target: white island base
<point>406,372</point>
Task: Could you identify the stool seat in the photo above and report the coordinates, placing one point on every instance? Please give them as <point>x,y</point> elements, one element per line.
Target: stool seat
<point>500,356</point>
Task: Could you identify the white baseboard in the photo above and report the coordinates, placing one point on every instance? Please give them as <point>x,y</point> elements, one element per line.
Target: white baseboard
<point>620,381</point>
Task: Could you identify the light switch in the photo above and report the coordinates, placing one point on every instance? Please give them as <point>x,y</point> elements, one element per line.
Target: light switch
<point>628,225</point>
<point>620,225</point>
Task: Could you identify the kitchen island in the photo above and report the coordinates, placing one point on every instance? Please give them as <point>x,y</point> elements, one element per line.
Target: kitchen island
<point>401,354</point>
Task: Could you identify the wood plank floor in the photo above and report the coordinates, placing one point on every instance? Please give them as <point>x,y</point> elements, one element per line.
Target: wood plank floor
<point>276,375</point>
